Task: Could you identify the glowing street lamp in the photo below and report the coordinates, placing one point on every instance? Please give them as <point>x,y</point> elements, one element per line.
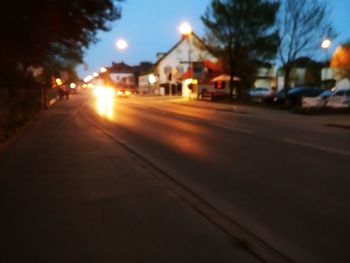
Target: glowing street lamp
<point>152,79</point>
<point>58,81</point>
<point>121,44</point>
<point>103,70</point>
<point>326,44</point>
<point>185,29</point>
<point>88,78</point>
<point>95,74</point>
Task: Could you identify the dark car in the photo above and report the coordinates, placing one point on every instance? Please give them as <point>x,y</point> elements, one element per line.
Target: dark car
<point>295,95</point>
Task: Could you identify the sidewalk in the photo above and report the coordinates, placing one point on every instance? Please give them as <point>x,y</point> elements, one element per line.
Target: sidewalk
<point>70,194</point>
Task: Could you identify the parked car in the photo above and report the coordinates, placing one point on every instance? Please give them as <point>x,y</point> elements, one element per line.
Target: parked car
<point>317,102</point>
<point>260,93</point>
<point>212,95</point>
<point>339,99</point>
<point>295,95</point>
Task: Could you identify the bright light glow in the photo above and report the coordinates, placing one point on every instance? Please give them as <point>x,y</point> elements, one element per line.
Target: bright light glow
<point>326,44</point>
<point>128,93</point>
<point>185,28</point>
<point>195,81</point>
<point>152,79</point>
<point>85,85</point>
<point>88,78</point>
<point>58,81</point>
<point>105,101</point>
<point>104,92</point>
<point>121,44</point>
<point>103,70</point>
<point>187,92</point>
<point>188,81</point>
<point>119,93</point>
<point>95,74</point>
<point>73,85</point>
<point>105,107</point>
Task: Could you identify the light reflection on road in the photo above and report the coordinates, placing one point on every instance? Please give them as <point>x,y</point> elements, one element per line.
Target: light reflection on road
<point>105,102</point>
<point>105,107</point>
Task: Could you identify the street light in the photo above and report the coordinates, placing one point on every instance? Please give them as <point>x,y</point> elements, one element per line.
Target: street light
<point>186,31</point>
<point>103,70</point>
<point>151,80</point>
<point>326,44</point>
<point>121,44</point>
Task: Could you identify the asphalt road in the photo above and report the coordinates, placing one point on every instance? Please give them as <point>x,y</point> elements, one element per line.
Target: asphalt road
<point>70,193</point>
<point>281,176</point>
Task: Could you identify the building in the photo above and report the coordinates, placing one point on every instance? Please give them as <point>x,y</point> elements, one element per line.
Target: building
<point>187,59</point>
<point>122,75</point>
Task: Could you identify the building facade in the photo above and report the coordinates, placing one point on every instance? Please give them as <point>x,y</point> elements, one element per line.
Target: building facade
<point>183,61</point>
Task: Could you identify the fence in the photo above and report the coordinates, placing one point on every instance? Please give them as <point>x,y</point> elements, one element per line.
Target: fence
<point>19,105</point>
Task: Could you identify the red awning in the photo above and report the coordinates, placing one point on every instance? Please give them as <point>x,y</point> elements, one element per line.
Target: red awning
<point>224,77</point>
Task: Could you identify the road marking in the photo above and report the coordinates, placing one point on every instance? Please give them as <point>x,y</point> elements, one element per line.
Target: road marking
<point>223,126</point>
<point>317,147</point>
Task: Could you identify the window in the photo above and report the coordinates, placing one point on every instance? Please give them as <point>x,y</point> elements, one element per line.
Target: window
<point>180,69</point>
<point>220,85</point>
<point>167,69</point>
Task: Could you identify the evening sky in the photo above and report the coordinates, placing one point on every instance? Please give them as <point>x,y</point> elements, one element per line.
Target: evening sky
<point>151,26</point>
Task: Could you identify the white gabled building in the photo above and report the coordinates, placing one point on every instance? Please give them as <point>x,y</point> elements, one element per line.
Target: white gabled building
<point>171,66</point>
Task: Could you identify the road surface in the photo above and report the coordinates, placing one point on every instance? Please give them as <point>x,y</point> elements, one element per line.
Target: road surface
<point>281,176</point>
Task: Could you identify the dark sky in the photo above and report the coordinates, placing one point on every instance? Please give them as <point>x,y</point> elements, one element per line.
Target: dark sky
<point>151,26</point>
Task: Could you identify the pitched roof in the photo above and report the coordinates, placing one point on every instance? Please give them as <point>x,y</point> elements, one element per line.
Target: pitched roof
<point>121,68</point>
<point>177,44</point>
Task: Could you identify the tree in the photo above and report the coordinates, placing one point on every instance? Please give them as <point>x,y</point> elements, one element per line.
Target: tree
<point>35,32</point>
<point>341,60</point>
<point>303,25</point>
<point>241,32</point>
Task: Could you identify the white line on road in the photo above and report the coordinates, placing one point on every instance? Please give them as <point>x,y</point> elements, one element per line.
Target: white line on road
<point>317,147</point>
<point>223,126</point>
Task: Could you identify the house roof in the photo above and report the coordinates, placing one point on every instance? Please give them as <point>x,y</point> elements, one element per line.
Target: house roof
<point>177,44</point>
<point>121,68</point>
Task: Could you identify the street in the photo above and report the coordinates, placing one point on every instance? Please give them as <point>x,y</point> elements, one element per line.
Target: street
<point>281,177</point>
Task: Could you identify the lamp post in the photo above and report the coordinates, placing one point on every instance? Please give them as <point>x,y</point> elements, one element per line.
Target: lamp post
<point>186,32</point>
<point>121,45</point>
<point>326,44</point>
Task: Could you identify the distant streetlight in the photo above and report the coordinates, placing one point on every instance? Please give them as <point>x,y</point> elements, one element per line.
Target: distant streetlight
<point>103,70</point>
<point>95,74</point>
<point>185,29</point>
<point>88,78</point>
<point>59,81</point>
<point>121,44</point>
<point>326,44</point>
